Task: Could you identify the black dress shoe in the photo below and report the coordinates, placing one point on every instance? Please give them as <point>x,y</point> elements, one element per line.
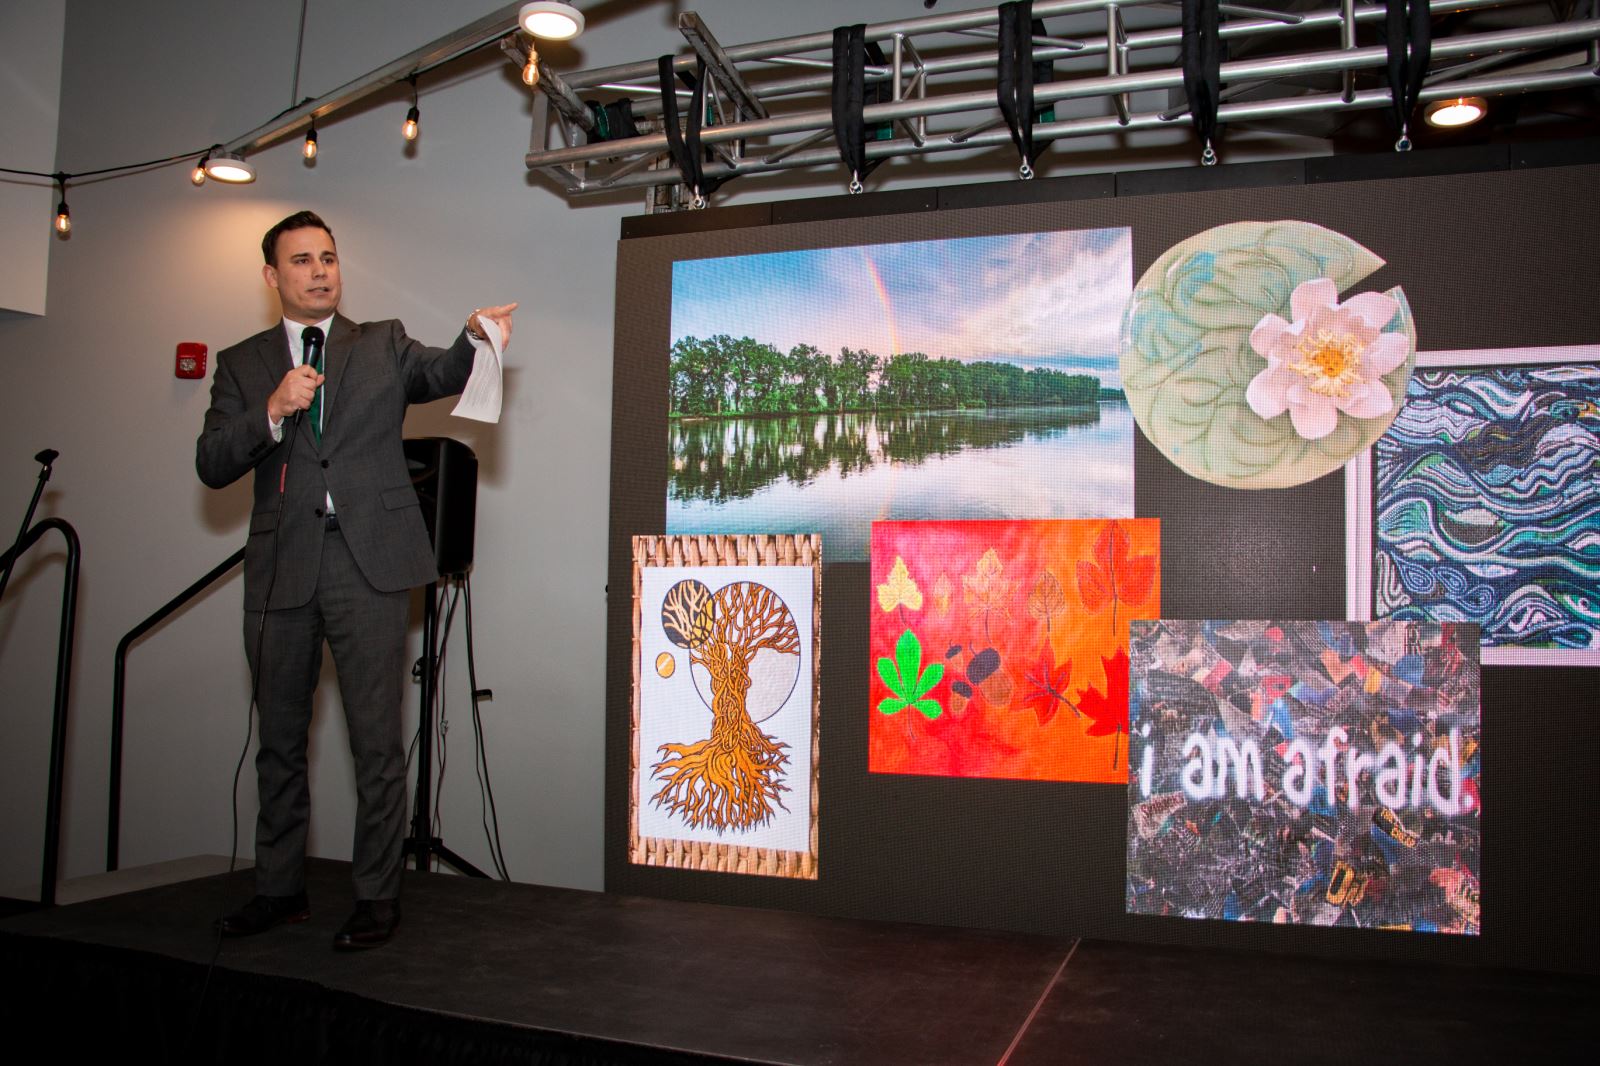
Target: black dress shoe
<point>264,912</point>
<point>372,923</point>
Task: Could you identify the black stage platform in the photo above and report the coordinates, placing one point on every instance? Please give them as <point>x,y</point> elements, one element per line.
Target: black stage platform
<point>491,972</point>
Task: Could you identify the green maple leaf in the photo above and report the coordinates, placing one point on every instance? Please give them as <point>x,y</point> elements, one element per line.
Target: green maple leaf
<point>908,681</point>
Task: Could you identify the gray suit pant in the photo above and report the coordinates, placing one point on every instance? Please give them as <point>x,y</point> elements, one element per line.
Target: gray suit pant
<point>366,629</point>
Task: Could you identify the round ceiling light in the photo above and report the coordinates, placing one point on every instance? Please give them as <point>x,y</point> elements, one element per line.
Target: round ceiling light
<point>552,20</point>
<point>230,167</point>
<point>1457,111</point>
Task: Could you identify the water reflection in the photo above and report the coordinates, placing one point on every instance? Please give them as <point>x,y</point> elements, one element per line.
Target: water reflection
<point>721,460</point>
<point>836,474</point>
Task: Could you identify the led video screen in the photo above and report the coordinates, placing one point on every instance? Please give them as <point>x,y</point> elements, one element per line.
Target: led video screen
<point>1126,499</point>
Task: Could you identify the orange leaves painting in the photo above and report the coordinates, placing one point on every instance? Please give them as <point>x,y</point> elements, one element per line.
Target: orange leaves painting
<point>1000,648</point>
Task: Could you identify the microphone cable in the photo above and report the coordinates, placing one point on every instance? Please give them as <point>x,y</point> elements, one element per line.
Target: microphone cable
<point>292,427</point>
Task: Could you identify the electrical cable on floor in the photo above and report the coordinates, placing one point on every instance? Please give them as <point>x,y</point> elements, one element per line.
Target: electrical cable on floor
<point>485,786</point>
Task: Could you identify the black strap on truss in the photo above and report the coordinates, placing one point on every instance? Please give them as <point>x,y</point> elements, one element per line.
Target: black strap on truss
<point>1202,70</point>
<point>612,122</point>
<point>1018,76</point>
<point>684,145</point>
<point>850,97</point>
<point>1408,36</point>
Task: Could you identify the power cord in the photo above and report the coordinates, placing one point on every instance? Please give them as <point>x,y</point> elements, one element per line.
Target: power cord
<point>444,623</point>
<point>485,786</point>
<point>441,718</point>
<point>440,618</point>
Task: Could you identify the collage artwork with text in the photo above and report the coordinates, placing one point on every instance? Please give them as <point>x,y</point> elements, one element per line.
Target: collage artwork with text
<point>1324,773</point>
<point>960,415</point>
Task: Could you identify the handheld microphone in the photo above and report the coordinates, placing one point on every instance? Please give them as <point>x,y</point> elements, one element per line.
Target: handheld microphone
<point>312,338</point>
<point>48,456</point>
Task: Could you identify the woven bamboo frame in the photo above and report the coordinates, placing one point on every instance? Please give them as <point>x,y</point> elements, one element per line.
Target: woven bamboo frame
<point>724,550</point>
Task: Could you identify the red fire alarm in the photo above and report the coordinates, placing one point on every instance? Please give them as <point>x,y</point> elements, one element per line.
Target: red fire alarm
<point>191,360</point>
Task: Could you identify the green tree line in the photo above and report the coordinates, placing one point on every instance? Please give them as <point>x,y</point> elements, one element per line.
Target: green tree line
<point>723,376</point>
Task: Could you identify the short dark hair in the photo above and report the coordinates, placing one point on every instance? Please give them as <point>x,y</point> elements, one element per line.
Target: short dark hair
<point>298,220</point>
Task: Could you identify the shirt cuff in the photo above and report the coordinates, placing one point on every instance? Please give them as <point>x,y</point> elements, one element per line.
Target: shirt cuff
<point>276,429</point>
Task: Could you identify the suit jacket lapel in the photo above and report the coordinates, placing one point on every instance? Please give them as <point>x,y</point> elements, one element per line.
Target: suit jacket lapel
<point>274,351</point>
<point>341,339</point>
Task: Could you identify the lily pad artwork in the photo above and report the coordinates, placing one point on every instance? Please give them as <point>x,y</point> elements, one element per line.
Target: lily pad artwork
<point>1244,367</point>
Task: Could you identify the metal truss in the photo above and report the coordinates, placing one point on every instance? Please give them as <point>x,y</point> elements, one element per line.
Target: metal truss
<point>1117,70</point>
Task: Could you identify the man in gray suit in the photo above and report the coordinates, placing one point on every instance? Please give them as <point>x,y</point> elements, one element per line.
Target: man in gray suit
<point>315,406</point>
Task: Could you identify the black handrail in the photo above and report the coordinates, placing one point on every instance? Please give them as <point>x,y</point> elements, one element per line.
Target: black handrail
<point>118,683</point>
<point>58,726</point>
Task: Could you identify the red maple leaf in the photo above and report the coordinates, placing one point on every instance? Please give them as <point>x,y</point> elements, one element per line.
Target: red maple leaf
<point>1109,710</point>
<point>1114,576</point>
<point>1049,686</point>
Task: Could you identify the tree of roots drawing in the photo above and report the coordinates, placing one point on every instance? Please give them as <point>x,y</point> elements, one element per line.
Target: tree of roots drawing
<point>745,643</point>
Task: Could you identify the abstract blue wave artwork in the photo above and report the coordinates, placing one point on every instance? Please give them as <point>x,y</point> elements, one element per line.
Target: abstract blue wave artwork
<point>1487,505</point>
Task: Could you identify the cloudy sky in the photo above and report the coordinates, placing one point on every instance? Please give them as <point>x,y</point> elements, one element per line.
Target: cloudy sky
<point>1037,299</point>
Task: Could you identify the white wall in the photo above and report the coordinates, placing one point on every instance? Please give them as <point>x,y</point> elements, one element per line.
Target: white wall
<point>31,36</point>
<point>425,235</point>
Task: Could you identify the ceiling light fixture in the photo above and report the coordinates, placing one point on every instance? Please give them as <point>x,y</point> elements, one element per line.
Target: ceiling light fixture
<point>551,19</point>
<point>198,174</point>
<point>1456,112</point>
<point>309,149</point>
<point>230,167</point>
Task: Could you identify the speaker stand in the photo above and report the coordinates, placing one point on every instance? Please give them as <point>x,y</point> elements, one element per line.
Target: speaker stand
<point>422,844</point>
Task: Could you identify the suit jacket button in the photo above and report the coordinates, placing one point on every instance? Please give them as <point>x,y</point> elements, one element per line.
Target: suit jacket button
<point>318,512</point>
<point>324,464</point>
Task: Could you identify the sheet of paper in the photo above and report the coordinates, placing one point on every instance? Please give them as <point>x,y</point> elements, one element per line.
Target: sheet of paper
<point>480,400</point>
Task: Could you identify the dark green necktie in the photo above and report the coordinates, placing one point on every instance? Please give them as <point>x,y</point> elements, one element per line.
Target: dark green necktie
<point>311,337</point>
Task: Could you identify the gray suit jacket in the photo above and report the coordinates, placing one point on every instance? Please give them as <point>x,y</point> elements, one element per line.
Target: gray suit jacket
<point>373,371</point>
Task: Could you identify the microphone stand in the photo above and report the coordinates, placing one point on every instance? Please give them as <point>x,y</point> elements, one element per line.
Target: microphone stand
<point>422,845</point>
<point>48,458</point>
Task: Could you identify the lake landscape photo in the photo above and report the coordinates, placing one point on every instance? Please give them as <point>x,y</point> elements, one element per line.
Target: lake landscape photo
<point>821,390</point>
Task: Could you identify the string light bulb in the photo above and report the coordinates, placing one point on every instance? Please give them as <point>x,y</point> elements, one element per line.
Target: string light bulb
<point>63,221</point>
<point>309,149</point>
<point>530,70</point>
<point>198,174</point>
<point>409,130</point>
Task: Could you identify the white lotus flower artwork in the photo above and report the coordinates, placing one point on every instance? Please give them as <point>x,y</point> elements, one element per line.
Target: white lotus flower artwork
<point>1329,360</point>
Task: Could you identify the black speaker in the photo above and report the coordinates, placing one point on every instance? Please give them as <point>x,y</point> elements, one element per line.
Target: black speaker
<point>445,474</point>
